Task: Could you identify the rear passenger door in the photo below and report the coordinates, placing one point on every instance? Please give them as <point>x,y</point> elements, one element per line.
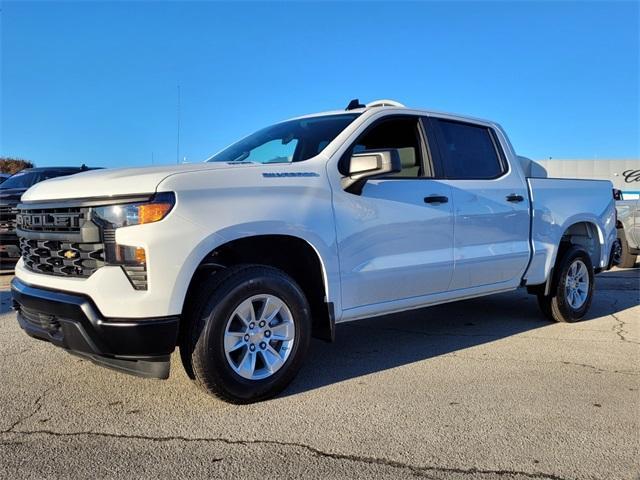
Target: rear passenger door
<point>490,204</point>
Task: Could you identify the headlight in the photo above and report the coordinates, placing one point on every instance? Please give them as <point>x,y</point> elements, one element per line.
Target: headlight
<point>132,259</point>
<point>127,214</point>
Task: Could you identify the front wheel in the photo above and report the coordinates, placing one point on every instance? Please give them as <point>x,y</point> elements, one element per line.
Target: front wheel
<point>572,288</point>
<point>249,331</point>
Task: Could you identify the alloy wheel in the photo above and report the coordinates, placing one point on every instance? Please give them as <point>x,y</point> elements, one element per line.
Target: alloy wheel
<point>259,337</point>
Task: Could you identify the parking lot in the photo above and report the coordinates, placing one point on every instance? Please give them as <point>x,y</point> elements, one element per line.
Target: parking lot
<point>480,389</point>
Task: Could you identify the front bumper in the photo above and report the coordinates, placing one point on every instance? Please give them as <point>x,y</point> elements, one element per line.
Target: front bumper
<point>174,248</point>
<point>137,346</point>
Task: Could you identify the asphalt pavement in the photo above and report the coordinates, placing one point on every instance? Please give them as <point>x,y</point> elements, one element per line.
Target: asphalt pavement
<point>484,389</point>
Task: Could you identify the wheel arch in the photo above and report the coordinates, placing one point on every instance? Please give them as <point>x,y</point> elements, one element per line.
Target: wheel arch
<point>296,256</point>
<point>584,233</point>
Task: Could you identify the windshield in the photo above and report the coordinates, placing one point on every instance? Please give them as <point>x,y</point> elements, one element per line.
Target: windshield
<point>27,179</point>
<point>292,141</point>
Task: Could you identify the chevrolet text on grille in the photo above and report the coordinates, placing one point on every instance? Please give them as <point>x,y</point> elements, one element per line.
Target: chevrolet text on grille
<point>46,220</point>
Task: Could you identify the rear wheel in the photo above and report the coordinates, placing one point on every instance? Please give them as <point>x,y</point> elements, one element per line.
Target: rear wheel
<point>249,330</point>
<point>571,289</point>
<point>627,259</point>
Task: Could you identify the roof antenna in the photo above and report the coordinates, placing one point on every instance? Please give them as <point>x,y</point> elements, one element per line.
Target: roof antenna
<point>178,130</point>
<point>353,104</point>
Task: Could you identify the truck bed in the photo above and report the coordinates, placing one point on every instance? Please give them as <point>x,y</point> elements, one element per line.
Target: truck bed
<point>557,204</point>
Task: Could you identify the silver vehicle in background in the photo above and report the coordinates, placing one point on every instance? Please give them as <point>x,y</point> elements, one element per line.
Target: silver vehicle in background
<point>628,230</point>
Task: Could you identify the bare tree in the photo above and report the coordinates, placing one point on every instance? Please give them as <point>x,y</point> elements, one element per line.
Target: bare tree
<point>13,165</point>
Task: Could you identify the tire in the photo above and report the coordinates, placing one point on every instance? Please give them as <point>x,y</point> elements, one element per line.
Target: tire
<point>561,305</point>
<point>231,371</point>
<point>627,259</point>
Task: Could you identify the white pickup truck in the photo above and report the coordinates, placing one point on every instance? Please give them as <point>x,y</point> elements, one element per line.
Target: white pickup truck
<point>314,221</point>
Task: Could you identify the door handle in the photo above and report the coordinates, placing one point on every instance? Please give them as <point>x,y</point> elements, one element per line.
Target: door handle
<point>436,199</point>
<point>514,198</point>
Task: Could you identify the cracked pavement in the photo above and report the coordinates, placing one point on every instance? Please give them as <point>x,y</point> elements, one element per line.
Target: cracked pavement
<point>484,389</point>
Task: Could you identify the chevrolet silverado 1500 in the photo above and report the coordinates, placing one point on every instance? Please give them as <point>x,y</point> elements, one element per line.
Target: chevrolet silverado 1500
<point>314,221</point>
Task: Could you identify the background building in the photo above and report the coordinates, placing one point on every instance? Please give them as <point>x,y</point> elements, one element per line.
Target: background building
<point>624,174</point>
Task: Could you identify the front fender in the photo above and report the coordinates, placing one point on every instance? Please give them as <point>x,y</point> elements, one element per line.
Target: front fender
<point>326,253</point>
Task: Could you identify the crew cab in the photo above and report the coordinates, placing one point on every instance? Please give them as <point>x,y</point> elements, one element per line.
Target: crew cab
<point>318,220</point>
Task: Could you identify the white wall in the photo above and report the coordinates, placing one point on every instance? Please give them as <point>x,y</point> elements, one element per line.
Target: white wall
<point>624,174</point>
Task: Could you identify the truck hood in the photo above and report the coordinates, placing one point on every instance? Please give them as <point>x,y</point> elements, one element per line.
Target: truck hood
<point>115,182</point>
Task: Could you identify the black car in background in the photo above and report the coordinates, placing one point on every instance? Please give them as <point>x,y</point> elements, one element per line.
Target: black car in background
<point>10,192</point>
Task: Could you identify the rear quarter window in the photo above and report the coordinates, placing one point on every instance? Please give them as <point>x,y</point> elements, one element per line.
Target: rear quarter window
<point>467,151</point>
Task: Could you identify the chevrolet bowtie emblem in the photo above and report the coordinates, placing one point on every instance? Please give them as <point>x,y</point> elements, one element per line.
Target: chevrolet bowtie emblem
<point>70,254</point>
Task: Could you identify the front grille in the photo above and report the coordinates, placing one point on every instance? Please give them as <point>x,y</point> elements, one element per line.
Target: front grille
<point>58,220</point>
<point>8,218</point>
<point>70,242</point>
<point>68,259</point>
<point>42,320</point>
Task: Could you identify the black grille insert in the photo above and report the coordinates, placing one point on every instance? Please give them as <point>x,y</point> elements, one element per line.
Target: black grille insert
<point>137,275</point>
<point>68,259</point>
<point>39,319</point>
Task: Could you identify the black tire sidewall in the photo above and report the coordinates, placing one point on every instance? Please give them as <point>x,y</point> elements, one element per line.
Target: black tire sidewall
<point>627,259</point>
<point>559,304</point>
<point>212,363</point>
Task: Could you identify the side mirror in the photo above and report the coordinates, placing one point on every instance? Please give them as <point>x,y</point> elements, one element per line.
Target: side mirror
<point>370,164</point>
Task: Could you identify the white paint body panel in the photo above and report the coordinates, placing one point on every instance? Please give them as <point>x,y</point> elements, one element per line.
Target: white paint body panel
<point>558,204</point>
<point>392,245</point>
<point>491,234</point>
<point>383,251</point>
<point>116,181</point>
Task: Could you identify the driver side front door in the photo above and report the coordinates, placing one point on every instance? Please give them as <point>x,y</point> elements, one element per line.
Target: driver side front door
<point>395,239</point>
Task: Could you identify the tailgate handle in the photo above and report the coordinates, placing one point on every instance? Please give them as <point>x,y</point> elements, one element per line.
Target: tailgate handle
<point>436,199</point>
<point>514,198</point>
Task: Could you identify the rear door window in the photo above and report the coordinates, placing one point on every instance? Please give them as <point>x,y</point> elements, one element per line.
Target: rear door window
<point>468,152</point>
